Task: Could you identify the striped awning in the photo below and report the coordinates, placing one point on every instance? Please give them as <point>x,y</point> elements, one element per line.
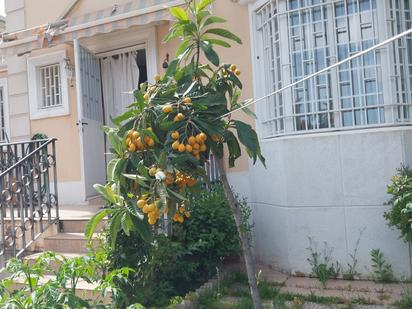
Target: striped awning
<point>134,13</point>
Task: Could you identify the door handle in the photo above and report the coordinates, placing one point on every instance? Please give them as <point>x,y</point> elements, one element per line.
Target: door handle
<point>81,124</point>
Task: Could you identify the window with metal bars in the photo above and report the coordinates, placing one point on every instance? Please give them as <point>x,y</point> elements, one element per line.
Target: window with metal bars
<point>401,20</point>
<point>300,37</point>
<point>272,111</point>
<point>309,53</point>
<point>50,84</point>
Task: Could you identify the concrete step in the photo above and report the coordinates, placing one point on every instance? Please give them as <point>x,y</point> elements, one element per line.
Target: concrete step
<point>68,243</point>
<point>76,225</point>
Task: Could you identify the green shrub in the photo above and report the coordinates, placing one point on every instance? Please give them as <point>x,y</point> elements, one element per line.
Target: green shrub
<point>62,292</point>
<point>211,229</point>
<point>400,215</point>
<point>406,300</point>
<point>381,270</point>
<point>321,262</point>
<point>179,263</point>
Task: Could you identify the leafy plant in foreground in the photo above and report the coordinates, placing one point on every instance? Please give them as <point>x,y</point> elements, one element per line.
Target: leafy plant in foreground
<point>400,215</point>
<point>174,265</point>
<point>321,262</point>
<point>163,140</point>
<point>381,270</point>
<point>406,300</point>
<point>350,272</point>
<point>37,292</point>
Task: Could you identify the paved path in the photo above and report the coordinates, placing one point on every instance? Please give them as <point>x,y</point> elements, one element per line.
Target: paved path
<point>377,293</point>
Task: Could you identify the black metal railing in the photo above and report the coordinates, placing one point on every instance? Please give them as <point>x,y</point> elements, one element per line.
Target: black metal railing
<point>11,153</point>
<point>29,200</point>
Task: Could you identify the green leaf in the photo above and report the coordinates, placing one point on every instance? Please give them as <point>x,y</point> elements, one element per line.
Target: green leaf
<point>127,223</point>
<point>106,192</point>
<point>179,13</point>
<point>162,160</point>
<point>248,137</point>
<point>213,100</point>
<point>182,48</point>
<point>177,195</point>
<point>202,4</point>
<point>139,99</point>
<point>115,224</point>
<point>210,54</point>
<point>235,80</point>
<point>233,147</point>
<point>171,69</point>
<point>131,207</point>
<point>140,179</point>
<point>213,20</point>
<point>126,115</point>
<point>143,228</point>
<point>95,220</point>
<point>224,33</point>
<point>141,168</point>
<point>218,42</point>
<point>175,32</point>
<point>116,142</point>
<point>111,169</point>
<point>201,15</point>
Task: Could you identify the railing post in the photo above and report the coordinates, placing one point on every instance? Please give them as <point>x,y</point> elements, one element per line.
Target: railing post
<point>3,215</point>
<point>56,195</point>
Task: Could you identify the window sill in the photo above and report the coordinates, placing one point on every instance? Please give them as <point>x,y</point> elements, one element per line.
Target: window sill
<point>49,113</point>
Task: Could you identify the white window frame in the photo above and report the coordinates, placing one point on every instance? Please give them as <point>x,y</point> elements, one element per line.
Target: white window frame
<point>34,83</point>
<point>3,84</point>
<point>389,106</point>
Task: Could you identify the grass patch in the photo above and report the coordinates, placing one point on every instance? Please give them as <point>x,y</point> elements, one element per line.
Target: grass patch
<point>268,290</point>
<point>235,285</point>
<point>207,299</point>
<point>405,302</point>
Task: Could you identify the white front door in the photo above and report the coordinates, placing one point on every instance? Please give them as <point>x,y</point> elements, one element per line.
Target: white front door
<point>90,119</point>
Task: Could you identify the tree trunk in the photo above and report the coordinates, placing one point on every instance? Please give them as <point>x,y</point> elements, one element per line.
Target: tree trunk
<point>246,247</point>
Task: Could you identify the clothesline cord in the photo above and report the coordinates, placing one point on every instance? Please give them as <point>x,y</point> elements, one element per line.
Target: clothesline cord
<point>370,49</point>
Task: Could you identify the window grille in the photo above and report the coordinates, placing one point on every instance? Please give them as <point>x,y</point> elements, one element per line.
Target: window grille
<point>273,110</point>
<point>401,20</point>
<point>50,85</point>
<point>300,37</point>
<point>309,53</point>
<point>360,81</point>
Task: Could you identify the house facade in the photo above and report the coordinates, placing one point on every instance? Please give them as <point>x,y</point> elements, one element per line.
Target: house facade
<point>332,143</point>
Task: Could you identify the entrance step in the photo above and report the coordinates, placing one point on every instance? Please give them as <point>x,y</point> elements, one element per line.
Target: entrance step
<point>76,225</point>
<point>68,243</point>
<point>67,211</point>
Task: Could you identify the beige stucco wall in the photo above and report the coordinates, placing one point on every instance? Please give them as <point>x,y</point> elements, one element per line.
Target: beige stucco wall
<point>238,22</point>
<point>39,12</point>
<point>64,129</point>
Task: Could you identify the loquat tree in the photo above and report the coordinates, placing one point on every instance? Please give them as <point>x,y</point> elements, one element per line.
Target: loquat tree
<point>162,142</point>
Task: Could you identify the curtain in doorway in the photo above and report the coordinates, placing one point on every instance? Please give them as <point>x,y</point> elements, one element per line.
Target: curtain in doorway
<point>120,76</point>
